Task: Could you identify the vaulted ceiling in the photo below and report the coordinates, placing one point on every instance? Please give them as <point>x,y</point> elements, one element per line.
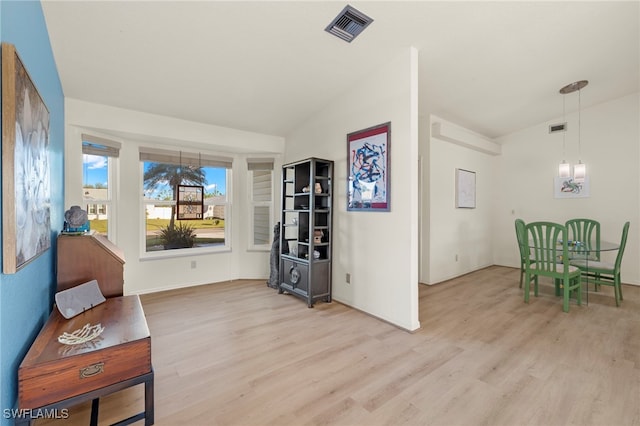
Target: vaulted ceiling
<point>266,66</point>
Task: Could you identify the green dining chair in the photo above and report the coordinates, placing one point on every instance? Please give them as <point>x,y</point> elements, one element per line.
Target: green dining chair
<point>550,259</point>
<point>603,273</point>
<point>524,249</point>
<point>582,233</point>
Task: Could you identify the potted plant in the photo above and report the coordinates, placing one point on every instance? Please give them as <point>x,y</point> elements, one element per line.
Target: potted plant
<point>178,236</point>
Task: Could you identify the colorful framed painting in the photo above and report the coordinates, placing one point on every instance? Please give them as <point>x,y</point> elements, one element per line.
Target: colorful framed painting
<point>190,202</point>
<point>26,196</point>
<point>465,189</point>
<point>368,163</point>
<point>569,188</point>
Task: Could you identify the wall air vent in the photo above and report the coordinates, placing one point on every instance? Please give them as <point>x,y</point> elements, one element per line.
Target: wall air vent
<point>560,127</point>
<point>348,24</point>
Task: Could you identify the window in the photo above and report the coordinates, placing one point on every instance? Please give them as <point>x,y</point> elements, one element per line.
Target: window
<point>261,199</point>
<point>162,172</point>
<point>99,159</point>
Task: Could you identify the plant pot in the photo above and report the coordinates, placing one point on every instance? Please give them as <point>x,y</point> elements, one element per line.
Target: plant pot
<point>176,245</point>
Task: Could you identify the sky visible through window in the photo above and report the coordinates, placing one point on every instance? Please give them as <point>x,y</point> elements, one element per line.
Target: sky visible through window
<point>95,171</point>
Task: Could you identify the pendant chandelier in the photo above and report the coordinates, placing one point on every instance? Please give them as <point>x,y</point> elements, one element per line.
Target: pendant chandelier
<point>580,169</point>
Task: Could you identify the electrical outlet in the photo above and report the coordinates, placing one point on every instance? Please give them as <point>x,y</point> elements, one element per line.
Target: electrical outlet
<point>456,257</point>
<point>348,278</point>
<point>193,264</point>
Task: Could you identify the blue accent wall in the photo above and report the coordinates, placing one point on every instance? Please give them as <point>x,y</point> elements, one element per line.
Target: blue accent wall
<point>26,298</point>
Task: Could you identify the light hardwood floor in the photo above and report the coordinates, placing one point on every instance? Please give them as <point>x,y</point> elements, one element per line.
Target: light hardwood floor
<point>237,353</point>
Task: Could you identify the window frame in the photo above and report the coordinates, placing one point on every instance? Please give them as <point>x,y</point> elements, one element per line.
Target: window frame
<point>181,252</point>
<point>252,166</point>
<point>98,146</point>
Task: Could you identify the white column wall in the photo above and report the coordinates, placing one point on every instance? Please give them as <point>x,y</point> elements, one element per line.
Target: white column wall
<point>379,250</point>
<point>459,239</point>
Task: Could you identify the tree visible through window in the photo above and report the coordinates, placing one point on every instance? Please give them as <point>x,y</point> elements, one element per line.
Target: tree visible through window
<point>163,231</point>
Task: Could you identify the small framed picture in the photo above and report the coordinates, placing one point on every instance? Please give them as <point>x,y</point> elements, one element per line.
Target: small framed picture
<point>190,202</point>
<point>465,189</point>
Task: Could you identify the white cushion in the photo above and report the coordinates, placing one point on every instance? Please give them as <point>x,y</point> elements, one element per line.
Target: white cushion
<point>593,264</point>
<point>559,268</point>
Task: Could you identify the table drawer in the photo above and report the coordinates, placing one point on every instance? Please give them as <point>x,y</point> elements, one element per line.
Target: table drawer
<point>70,376</point>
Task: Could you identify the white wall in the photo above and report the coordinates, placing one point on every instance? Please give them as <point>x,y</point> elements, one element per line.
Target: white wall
<point>459,240</point>
<point>378,249</point>
<point>610,139</point>
<point>134,129</point>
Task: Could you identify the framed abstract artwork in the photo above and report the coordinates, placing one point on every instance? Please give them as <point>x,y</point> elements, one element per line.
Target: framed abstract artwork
<point>569,188</point>
<point>190,202</point>
<point>26,197</point>
<point>368,163</point>
<point>465,189</point>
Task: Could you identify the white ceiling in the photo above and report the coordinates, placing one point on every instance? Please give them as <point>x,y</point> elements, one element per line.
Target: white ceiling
<point>266,66</point>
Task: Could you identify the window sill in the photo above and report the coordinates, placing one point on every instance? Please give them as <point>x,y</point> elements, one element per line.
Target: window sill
<point>259,249</point>
<point>186,252</point>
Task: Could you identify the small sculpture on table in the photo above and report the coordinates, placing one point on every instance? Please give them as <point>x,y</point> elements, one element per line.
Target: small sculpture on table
<point>81,335</point>
<point>75,220</point>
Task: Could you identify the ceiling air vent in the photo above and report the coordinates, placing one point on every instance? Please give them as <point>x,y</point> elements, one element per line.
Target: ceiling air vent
<point>555,128</point>
<point>348,24</point>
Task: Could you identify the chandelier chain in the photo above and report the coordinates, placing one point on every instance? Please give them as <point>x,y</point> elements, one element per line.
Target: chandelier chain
<point>564,153</point>
<point>579,127</point>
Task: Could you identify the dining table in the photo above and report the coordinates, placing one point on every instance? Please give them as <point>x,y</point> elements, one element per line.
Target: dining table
<point>588,251</point>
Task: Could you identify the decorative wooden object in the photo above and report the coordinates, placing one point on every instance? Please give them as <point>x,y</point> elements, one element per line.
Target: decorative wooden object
<point>52,372</point>
<point>83,258</point>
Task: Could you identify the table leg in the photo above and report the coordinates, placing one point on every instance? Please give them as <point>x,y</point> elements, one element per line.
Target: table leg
<point>587,283</point>
<point>95,407</point>
<point>23,421</point>
<point>148,401</point>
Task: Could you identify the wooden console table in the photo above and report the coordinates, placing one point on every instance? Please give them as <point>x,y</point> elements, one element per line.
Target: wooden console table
<point>54,376</point>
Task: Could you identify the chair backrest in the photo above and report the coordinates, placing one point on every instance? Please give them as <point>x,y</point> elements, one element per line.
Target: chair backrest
<point>623,243</point>
<point>520,237</point>
<point>547,242</point>
<point>584,231</point>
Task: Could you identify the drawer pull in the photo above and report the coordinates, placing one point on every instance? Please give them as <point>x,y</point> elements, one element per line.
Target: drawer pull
<point>92,370</point>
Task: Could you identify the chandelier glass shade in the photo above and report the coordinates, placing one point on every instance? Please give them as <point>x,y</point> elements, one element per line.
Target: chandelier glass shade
<point>564,170</point>
<point>580,169</point>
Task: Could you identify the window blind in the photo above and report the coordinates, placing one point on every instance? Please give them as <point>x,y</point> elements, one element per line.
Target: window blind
<point>259,164</point>
<point>94,145</point>
<point>184,158</point>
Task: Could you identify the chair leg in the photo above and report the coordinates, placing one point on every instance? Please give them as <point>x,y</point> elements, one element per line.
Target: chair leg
<point>565,298</point>
<point>616,290</point>
<point>579,290</point>
<point>521,273</point>
<point>620,287</point>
